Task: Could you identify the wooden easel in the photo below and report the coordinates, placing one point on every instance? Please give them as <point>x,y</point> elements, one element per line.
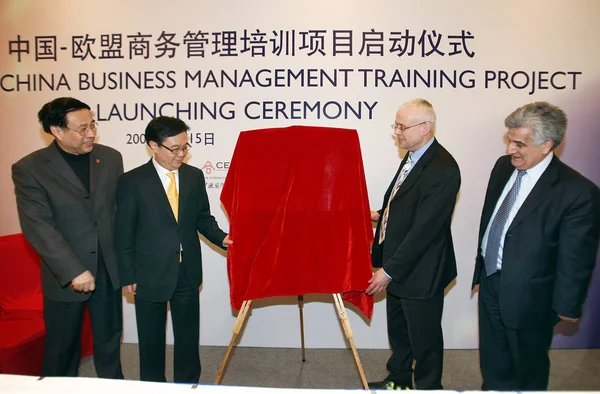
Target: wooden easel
<point>339,306</point>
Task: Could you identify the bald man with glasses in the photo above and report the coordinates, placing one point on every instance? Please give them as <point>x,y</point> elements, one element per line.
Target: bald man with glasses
<point>413,250</point>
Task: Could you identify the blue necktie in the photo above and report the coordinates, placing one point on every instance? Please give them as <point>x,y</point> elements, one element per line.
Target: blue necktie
<point>493,242</point>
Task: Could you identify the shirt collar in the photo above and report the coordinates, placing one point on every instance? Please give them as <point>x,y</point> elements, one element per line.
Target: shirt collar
<point>162,171</point>
<point>536,171</point>
<point>416,155</point>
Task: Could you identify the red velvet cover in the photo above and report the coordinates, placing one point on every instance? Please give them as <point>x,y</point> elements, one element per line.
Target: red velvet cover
<point>299,215</point>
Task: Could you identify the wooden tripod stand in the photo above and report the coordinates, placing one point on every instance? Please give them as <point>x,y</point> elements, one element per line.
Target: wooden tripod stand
<point>341,310</point>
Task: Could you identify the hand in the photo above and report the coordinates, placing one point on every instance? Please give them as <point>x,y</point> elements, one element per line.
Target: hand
<point>378,282</point>
<point>227,241</point>
<point>130,289</point>
<point>84,283</point>
<point>374,216</point>
<point>569,319</point>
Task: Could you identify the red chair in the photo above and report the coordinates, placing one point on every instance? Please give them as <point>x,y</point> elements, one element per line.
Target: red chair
<point>22,331</point>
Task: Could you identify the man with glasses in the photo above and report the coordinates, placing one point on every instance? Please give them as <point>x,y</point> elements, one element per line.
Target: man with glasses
<point>66,202</point>
<point>161,207</point>
<point>413,246</point>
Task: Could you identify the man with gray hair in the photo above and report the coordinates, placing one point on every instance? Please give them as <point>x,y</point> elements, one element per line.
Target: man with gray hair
<point>538,240</point>
<point>413,246</point>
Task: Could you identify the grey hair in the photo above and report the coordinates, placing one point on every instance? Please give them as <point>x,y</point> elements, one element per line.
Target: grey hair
<point>427,110</point>
<point>546,122</point>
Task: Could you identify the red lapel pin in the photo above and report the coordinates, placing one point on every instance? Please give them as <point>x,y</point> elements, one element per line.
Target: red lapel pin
<point>97,160</point>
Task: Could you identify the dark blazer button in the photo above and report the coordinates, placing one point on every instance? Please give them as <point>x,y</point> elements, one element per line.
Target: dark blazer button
<point>87,197</point>
<point>93,252</point>
<point>95,223</point>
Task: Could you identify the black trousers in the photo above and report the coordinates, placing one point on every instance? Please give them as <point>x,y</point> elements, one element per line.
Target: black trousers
<point>415,333</point>
<point>151,320</point>
<point>63,331</point>
<point>511,360</point>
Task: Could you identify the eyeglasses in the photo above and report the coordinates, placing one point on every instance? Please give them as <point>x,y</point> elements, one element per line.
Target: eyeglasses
<point>83,129</point>
<point>177,151</point>
<point>396,126</point>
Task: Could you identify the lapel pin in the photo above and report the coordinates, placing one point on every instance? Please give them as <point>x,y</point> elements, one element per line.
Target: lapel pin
<point>97,160</point>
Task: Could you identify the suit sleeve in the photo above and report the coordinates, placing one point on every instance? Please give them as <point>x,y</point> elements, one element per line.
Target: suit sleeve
<point>432,217</point>
<point>119,164</point>
<point>578,246</point>
<point>205,221</point>
<point>125,226</point>
<point>487,205</point>
<point>39,228</point>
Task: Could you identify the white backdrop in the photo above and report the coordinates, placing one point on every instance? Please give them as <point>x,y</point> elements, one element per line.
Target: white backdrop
<point>512,39</point>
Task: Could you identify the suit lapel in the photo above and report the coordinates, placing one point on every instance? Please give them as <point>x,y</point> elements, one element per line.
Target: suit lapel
<point>59,165</point>
<point>539,194</point>
<point>411,178</point>
<point>493,195</point>
<point>390,188</point>
<point>156,188</point>
<point>416,171</point>
<point>184,187</point>
<point>95,170</point>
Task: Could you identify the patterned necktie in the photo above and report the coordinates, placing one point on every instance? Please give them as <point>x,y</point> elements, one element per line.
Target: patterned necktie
<point>495,235</point>
<point>173,196</point>
<point>403,172</point>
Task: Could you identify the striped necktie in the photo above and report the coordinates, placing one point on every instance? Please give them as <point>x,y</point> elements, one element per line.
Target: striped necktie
<point>403,172</point>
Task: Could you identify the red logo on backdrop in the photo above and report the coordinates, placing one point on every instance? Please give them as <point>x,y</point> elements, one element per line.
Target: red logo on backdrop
<point>208,168</point>
<point>219,166</point>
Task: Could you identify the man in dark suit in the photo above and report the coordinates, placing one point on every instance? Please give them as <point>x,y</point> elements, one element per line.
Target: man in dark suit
<point>66,203</point>
<point>161,207</point>
<point>538,240</point>
<point>413,245</point>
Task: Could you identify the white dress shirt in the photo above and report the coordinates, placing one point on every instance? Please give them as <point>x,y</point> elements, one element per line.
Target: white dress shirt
<point>527,183</point>
<point>164,178</point>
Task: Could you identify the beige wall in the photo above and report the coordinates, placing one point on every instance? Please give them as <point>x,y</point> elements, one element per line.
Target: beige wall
<point>511,35</point>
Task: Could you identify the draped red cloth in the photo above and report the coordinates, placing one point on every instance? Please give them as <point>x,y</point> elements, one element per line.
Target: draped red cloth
<point>299,215</point>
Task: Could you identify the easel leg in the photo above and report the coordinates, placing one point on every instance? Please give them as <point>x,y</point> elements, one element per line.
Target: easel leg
<point>239,322</point>
<point>339,305</point>
<point>300,307</point>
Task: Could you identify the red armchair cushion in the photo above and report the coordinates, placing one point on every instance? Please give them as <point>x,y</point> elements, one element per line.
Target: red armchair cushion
<point>20,282</point>
<point>22,346</point>
<point>17,332</point>
<point>22,331</point>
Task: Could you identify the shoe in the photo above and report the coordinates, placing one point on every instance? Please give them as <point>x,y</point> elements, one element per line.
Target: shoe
<point>378,385</point>
<point>387,384</point>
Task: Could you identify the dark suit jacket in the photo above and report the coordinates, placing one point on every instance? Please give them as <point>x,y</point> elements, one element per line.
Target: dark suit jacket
<point>418,252</point>
<point>550,246</point>
<point>62,221</point>
<point>148,236</point>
